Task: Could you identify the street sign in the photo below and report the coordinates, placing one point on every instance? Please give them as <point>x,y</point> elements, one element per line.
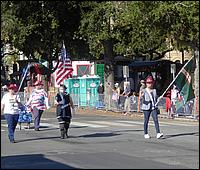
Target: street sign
<point>173,69</point>
<point>126,71</point>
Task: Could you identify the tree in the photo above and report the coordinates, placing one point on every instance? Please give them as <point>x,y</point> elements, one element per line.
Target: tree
<point>98,29</point>
<point>153,28</point>
<point>141,28</point>
<point>38,28</point>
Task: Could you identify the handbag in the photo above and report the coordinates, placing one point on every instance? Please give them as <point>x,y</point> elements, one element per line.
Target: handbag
<point>158,111</point>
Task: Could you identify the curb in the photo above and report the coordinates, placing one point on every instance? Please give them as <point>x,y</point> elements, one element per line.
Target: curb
<point>119,114</point>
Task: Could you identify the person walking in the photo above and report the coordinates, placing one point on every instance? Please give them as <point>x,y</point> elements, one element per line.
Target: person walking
<point>127,94</point>
<point>174,98</point>
<point>100,91</point>
<point>116,94</point>
<point>142,87</point>
<point>168,104</point>
<point>10,104</point>
<point>38,102</point>
<point>63,103</point>
<point>149,99</point>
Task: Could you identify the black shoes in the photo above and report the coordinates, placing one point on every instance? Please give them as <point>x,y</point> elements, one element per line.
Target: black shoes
<point>63,136</point>
<point>37,129</point>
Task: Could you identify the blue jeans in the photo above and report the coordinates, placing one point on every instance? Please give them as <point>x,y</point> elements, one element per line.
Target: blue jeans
<point>37,116</point>
<point>146,120</point>
<point>12,123</point>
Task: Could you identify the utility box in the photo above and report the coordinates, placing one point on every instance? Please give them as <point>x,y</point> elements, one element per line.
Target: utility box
<point>73,88</point>
<point>99,70</point>
<point>83,90</point>
<point>88,90</point>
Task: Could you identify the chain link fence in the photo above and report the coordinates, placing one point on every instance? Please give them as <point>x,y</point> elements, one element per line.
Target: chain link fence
<point>124,104</point>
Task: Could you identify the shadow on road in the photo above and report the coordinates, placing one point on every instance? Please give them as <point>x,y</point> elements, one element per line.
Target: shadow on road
<point>26,140</point>
<point>33,161</point>
<point>77,127</point>
<point>182,134</point>
<point>130,130</point>
<point>108,134</point>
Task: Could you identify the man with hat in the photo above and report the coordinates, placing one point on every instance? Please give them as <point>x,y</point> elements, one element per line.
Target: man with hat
<point>10,107</point>
<point>38,102</point>
<point>149,99</point>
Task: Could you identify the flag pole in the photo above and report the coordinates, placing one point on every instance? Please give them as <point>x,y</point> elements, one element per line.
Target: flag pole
<point>29,65</point>
<point>174,79</point>
<point>23,78</point>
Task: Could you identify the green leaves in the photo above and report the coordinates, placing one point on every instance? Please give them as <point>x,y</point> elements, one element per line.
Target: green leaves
<point>140,25</point>
<point>135,26</point>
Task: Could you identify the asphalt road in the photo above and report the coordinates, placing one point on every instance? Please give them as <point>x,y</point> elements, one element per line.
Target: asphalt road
<point>102,142</point>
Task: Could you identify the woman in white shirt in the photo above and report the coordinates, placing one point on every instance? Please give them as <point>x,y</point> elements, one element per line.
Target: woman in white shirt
<point>149,107</point>
<point>10,107</point>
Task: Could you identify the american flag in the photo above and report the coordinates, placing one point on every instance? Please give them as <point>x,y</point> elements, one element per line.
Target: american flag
<point>64,70</point>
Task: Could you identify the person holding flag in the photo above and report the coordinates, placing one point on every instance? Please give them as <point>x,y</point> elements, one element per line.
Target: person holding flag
<point>149,99</point>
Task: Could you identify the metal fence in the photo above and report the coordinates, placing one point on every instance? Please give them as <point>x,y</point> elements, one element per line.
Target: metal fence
<point>131,104</point>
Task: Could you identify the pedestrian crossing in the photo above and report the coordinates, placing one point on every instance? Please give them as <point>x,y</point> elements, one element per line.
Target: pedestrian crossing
<point>97,124</point>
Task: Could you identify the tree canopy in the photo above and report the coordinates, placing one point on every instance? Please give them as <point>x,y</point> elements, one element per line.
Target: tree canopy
<point>147,28</point>
<point>136,27</point>
<point>91,29</point>
<point>38,28</point>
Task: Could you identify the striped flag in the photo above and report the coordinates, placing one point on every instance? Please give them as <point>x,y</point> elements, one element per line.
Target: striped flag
<point>64,70</point>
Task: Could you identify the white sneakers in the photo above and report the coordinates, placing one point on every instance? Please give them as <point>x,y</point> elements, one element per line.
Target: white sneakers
<point>158,136</point>
<point>146,136</point>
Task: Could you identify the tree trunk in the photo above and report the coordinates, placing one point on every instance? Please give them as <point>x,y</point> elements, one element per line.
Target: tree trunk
<point>108,70</point>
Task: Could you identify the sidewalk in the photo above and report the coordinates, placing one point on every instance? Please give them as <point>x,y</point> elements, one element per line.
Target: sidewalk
<point>52,112</point>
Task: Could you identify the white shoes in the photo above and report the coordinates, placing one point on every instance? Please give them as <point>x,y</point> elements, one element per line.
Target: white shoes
<point>159,135</point>
<point>146,136</point>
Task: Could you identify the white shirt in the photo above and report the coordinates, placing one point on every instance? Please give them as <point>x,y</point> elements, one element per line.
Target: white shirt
<point>174,94</point>
<point>10,104</point>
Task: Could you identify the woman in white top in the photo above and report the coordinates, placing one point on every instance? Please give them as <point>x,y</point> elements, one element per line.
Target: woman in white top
<point>174,98</point>
<point>10,107</point>
<point>116,94</point>
<point>149,107</point>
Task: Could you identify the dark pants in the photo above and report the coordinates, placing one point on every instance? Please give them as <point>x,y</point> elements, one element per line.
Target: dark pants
<point>101,99</point>
<point>12,123</point>
<point>146,120</point>
<point>64,126</point>
<point>37,116</point>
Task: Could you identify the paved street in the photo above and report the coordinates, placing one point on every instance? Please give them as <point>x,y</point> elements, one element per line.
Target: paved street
<point>102,142</point>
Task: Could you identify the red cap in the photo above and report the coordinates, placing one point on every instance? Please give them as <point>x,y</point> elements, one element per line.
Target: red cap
<point>149,80</point>
<point>38,83</point>
<point>13,87</point>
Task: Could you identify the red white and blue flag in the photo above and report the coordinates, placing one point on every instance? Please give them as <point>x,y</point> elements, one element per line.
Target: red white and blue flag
<point>64,70</point>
